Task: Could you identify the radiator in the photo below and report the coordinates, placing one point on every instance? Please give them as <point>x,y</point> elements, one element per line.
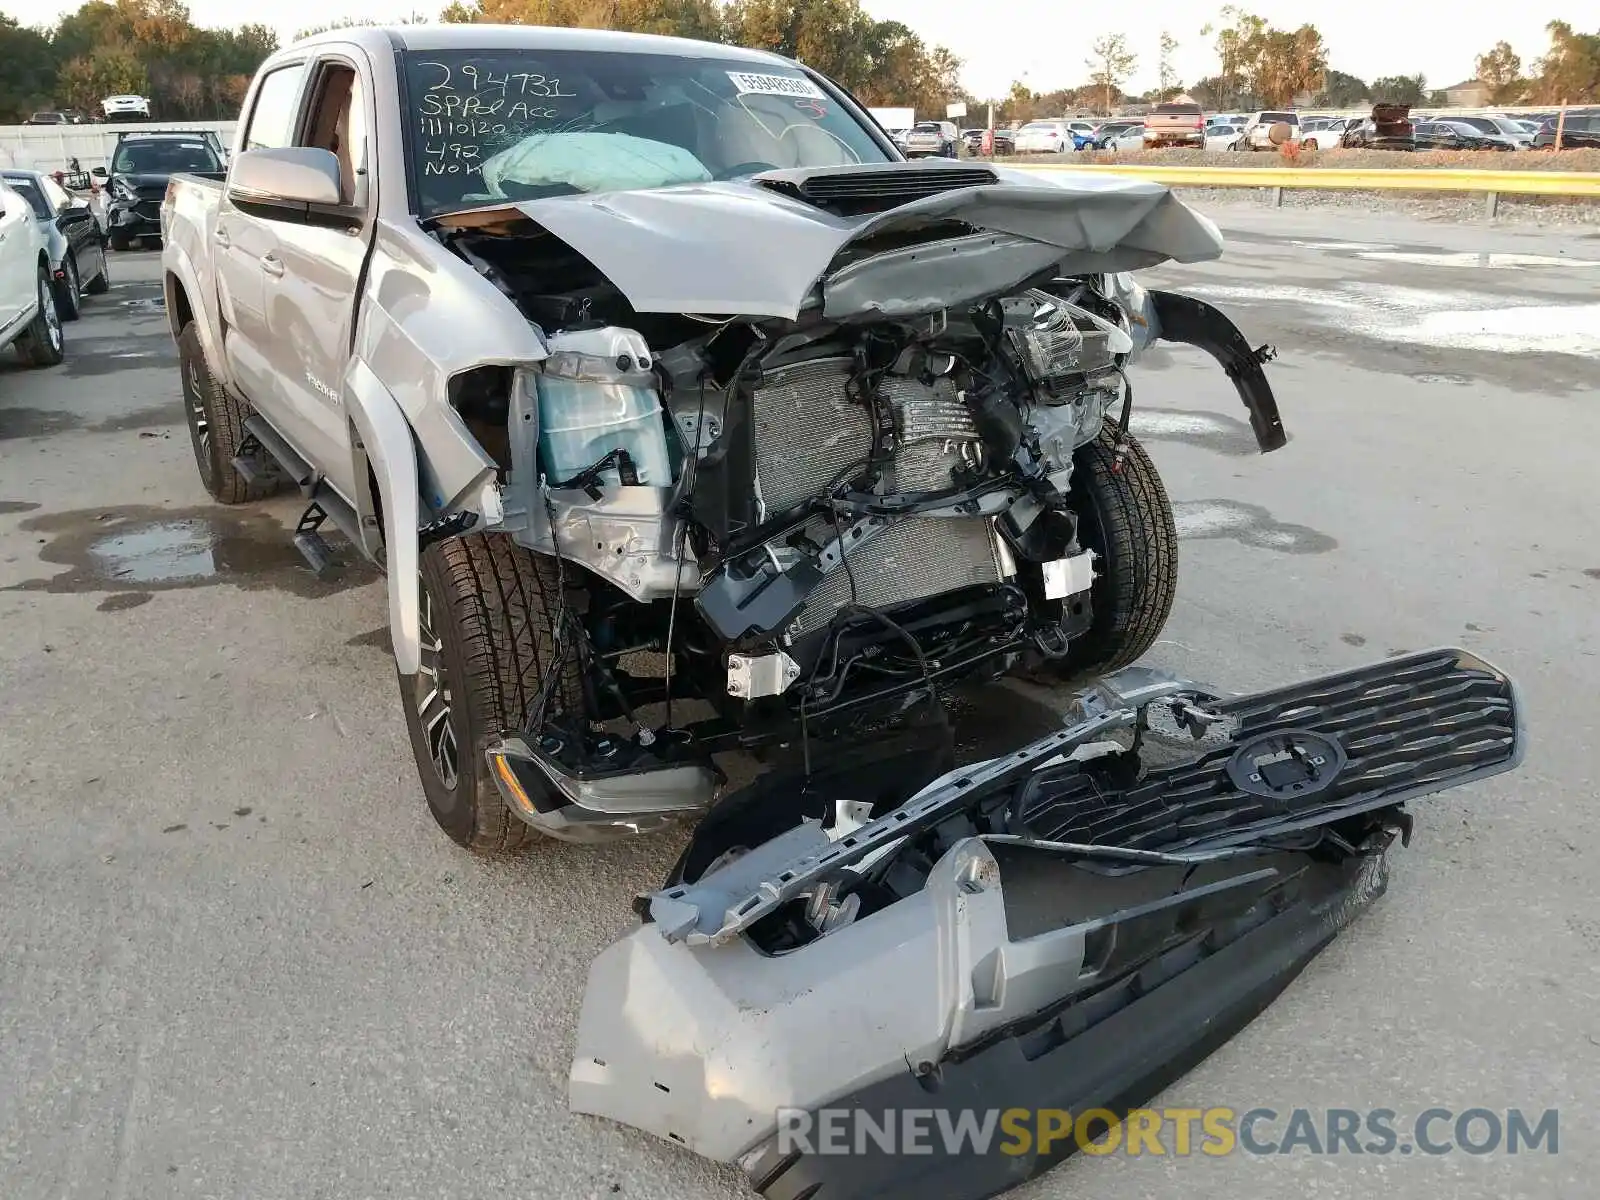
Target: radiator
<point>809,436</point>
<point>914,558</point>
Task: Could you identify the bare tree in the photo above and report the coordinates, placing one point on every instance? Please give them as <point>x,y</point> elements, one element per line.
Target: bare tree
<point>1167,76</point>
<point>1110,62</point>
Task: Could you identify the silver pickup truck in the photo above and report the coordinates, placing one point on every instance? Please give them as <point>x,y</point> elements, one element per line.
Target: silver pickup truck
<point>683,414</point>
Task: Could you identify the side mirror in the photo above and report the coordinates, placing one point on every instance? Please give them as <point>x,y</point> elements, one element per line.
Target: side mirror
<point>99,172</point>
<point>292,175</point>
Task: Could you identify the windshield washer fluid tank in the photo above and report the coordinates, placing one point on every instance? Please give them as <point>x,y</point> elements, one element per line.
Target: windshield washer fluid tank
<point>597,394</point>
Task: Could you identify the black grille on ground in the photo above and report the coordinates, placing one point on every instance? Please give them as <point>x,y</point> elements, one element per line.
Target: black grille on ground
<point>865,191</point>
<point>1415,725</point>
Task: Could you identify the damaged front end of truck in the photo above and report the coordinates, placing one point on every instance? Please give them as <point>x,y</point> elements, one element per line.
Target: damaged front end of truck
<point>812,437</point>
<point>1070,926</point>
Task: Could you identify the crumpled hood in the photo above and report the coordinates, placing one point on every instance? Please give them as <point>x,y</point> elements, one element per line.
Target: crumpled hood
<point>741,248</point>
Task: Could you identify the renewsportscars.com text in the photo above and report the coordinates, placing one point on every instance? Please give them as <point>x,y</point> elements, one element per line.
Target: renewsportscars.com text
<point>1178,1132</point>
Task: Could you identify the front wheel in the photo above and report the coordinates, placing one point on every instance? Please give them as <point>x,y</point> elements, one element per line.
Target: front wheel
<point>489,616</point>
<point>101,283</point>
<point>1126,518</point>
<point>68,290</point>
<point>120,239</point>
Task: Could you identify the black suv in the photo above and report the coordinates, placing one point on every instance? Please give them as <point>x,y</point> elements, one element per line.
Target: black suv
<point>137,181</point>
<point>1580,131</point>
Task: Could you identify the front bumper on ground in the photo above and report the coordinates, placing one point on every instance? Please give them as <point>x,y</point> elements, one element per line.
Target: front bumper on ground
<point>1101,935</point>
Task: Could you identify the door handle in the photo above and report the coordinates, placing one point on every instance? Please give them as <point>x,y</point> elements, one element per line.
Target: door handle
<point>220,236</point>
<point>272,265</point>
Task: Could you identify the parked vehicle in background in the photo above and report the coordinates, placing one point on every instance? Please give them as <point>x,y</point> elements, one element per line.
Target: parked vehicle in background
<point>929,139</point>
<point>75,245</point>
<point>1177,123</point>
<point>125,108</point>
<point>1327,134</point>
<point>49,117</point>
<point>1269,129</point>
<point>28,317</point>
<point>1458,135</point>
<point>137,181</point>
<point>1389,127</point>
<point>1005,141</point>
<point>1495,127</point>
<point>1579,131</point>
<point>1223,133</point>
<point>1045,137</point>
<point>1120,135</point>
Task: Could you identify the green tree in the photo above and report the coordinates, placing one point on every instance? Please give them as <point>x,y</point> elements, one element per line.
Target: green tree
<point>1501,68</point>
<point>27,70</point>
<point>1569,72</point>
<point>1110,62</point>
<point>1341,91</point>
<point>1400,89</point>
<point>107,71</point>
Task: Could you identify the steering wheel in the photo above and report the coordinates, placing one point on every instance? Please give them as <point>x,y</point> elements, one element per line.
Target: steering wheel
<point>744,168</point>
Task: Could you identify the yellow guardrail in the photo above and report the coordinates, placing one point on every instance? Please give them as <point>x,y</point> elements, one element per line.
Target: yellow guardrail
<point>1390,179</point>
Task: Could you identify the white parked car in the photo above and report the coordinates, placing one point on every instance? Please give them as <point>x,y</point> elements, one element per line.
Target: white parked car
<point>28,316</point>
<point>1258,129</point>
<point>1044,137</point>
<point>125,108</point>
<point>1129,138</point>
<point>1326,134</point>
<point>1224,134</point>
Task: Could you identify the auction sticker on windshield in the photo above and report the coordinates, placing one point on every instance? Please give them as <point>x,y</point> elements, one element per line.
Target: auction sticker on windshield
<point>751,84</point>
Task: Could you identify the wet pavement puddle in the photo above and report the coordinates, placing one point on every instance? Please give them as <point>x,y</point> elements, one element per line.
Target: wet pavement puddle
<point>140,549</point>
<point>1249,524</point>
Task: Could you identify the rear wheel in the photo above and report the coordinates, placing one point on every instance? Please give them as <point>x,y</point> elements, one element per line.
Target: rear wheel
<point>489,613</point>
<point>216,426</point>
<point>1126,519</point>
<point>42,344</point>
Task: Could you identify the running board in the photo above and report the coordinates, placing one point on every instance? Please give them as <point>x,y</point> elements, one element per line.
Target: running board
<point>289,463</point>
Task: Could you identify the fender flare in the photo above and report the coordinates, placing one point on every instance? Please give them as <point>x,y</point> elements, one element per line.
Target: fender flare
<point>385,437</point>
<point>178,271</point>
<point>1185,319</point>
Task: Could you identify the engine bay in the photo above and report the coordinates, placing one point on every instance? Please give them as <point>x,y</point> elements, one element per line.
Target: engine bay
<point>836,501</point>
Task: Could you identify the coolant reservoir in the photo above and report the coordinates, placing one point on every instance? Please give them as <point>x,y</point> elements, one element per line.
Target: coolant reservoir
<point>596,395</point>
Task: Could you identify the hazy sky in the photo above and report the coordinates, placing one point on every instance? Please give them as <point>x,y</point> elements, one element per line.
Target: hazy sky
<point>1045,42</point>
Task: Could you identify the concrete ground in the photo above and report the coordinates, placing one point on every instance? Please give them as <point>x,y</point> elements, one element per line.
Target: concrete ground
<point>240,961</point>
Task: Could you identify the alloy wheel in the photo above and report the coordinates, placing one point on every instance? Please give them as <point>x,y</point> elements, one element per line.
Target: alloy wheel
<point>433,699</point>
<point>52,319</point>
<point>197,414</point>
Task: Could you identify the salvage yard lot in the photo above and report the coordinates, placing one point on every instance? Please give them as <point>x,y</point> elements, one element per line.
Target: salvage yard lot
<point>241,961</point>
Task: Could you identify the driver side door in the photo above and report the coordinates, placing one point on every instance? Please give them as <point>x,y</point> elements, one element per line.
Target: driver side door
<point>245,251</point>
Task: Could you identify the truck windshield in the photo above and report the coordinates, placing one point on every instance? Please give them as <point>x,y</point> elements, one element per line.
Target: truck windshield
<point>163,158</point>
<point>520,124</point>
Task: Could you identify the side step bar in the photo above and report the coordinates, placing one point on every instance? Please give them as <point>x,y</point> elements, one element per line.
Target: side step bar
<point>277,456</point>
<point>280,454</point>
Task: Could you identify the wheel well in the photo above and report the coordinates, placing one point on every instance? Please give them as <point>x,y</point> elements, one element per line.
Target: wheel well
<point>180,311</point>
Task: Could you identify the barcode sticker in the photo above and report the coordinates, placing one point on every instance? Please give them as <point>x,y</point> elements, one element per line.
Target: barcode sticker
<point>751,84</point>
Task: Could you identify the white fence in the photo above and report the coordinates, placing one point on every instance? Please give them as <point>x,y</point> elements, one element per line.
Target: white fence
<point>52,147</point>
